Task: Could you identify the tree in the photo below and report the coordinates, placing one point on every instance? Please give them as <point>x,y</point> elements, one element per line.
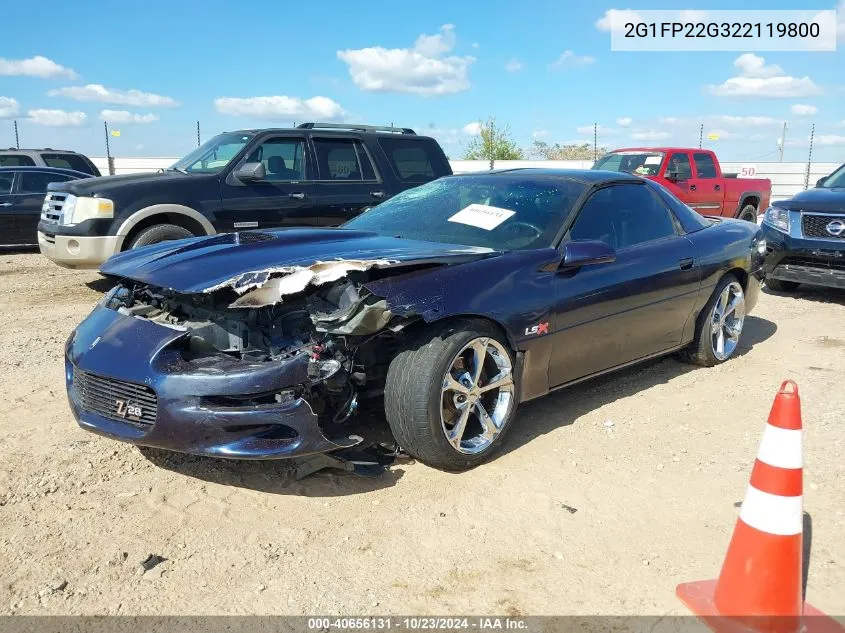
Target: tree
<point>493,143</point>
<point>583,151</point>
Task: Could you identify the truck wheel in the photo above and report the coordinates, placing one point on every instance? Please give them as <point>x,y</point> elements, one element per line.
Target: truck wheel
<point>159,233</point>
<point>450,396</point>
<point>719,325</point>
<point>778,285</point>
<point>748,213</point>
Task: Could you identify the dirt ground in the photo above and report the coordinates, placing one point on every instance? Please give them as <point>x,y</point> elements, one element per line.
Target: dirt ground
<point>605,497</point>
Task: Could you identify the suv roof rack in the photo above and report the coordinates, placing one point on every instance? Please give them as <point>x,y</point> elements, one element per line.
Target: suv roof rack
<point>355,127</point>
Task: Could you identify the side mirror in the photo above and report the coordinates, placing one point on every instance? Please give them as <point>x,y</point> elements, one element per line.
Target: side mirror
<point>821,181</point>
<point>251,172</point>
<point>583,252</point>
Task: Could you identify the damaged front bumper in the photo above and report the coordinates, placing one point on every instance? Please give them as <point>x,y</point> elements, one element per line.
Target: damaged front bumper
<point>127,379</point>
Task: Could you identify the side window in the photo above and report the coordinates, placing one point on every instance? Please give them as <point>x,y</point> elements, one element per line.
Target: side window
<point>413,161</point>
<point>342,159</point>
<point>704,165</point>
<point>6,180</point>
<point>67,161</point>
<point>36,182</point>
<point>16,160</point>
<point>283,159</point>
<point>622,216</point>
<point>679,163</point>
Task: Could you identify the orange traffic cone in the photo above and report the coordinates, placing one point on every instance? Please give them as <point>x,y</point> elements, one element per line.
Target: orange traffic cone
<point>759,587</point>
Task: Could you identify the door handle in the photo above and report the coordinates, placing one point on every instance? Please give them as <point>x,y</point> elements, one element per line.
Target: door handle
<point>686,263</point>
<point>297,194</point>
<point>377,194</point>
<point>718,187</point>
<point>5,204</point>
<point>692,187</point>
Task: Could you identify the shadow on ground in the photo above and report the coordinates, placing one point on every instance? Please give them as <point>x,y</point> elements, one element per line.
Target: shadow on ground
<point>101,284</point>
<point>535,419</point>
<point>818,294</point>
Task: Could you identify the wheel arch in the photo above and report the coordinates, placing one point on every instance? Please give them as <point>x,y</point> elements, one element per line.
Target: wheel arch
<point>176,214</point>
<point>746,198</point>
<point>421,325</point>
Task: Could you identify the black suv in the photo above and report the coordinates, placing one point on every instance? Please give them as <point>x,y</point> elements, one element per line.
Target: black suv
<point>805,237</point>
<point>47,157</point>
<point>316,174</point>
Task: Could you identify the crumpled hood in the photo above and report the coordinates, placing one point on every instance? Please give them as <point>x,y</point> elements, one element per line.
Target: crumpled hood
<point>825,200</point>
<point>202,264</point>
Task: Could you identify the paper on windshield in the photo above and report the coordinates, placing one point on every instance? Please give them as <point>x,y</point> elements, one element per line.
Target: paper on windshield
<point>653,160</point>
<point>482,216</point>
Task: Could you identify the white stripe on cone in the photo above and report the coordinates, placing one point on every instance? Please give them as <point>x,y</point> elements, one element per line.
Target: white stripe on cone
<point>770,513</point>
<point>781,448</point>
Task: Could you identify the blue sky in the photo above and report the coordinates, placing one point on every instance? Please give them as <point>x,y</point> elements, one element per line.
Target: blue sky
<point>543,68</point>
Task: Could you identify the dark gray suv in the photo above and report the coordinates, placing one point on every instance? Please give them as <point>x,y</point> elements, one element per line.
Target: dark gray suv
<point>47,157</point>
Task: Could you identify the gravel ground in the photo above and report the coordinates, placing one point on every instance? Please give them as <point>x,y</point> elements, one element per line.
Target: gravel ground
<point>605,497</point>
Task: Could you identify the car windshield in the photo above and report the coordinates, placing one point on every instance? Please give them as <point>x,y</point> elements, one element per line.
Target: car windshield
<point>836,179</point>
<point>213,155</point>
<point>639,163</point>
<point>498,211</point>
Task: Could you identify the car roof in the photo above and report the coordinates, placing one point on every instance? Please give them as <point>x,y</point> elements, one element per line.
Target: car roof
<point>52,170</point>
<point>590,176</point>
<point>12,150</point>
<point>659,149</point>
<point>328,132</point>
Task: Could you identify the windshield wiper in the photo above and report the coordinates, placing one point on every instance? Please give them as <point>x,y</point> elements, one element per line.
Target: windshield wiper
<point>179,169</point>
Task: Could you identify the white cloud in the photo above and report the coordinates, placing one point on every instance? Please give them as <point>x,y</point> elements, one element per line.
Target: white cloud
<point>600,130</point>
<point>538,134</point>
<point>475,44</point>
<point>281,107</point>
<point>649,135</point>
<point>801,109</point>
<point>423,70</point>
<point>624,121</point>
<point>101,94</point>
<point>123,116</point>
<point>514,65</point>
<point>745,120</point>
<point>473,129</point>
<point>830,139</point>
<point>668,120</point>
<point>616,19</point>
<point>56,118</point>
<point>37,66</point>
<point>9,107</point>
<point>568,59</point>
<point>765,81</point>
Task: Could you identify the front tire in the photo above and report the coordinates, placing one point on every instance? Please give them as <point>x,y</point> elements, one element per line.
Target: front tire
<point>778,285</point>
<point>159,233</point>
<point>719,325</point>
<point>748,213</point>
<point>450,396</point>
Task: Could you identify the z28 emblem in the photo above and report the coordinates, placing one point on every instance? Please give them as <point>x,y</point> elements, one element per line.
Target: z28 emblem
<point>540,328</point>
<point>126,409</point>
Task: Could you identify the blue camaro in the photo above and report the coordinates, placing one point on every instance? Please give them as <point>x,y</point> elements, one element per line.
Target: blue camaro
<point>454,301</point>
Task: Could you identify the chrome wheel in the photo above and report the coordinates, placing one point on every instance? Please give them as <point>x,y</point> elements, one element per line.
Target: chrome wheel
<point>477,395</point>
<point>726,321</point>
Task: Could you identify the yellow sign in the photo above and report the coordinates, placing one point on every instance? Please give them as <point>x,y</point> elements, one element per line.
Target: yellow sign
<point>115,132</point>
<point>713,137</point>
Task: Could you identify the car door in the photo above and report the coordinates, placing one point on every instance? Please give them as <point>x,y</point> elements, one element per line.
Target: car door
<point>348,181</point>
<point>677,176</point>
<point>612,314</point>
<point>31,187</point>
<point>706,185</point>
<point>7,210</point>
<point>284,197</point>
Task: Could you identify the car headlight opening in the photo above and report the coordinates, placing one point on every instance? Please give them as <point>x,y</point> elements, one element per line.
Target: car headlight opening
<point>79,209</point>
<point>778,218</point>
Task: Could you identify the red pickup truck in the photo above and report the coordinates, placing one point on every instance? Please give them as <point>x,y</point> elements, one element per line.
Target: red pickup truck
<point>694,176</point>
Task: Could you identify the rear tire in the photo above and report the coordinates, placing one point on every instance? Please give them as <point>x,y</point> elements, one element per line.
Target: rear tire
<point>704,349</point>
<point>432,399</point>
<point>159,233</point>
<point>748,213</point>
<point>778,285</point>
